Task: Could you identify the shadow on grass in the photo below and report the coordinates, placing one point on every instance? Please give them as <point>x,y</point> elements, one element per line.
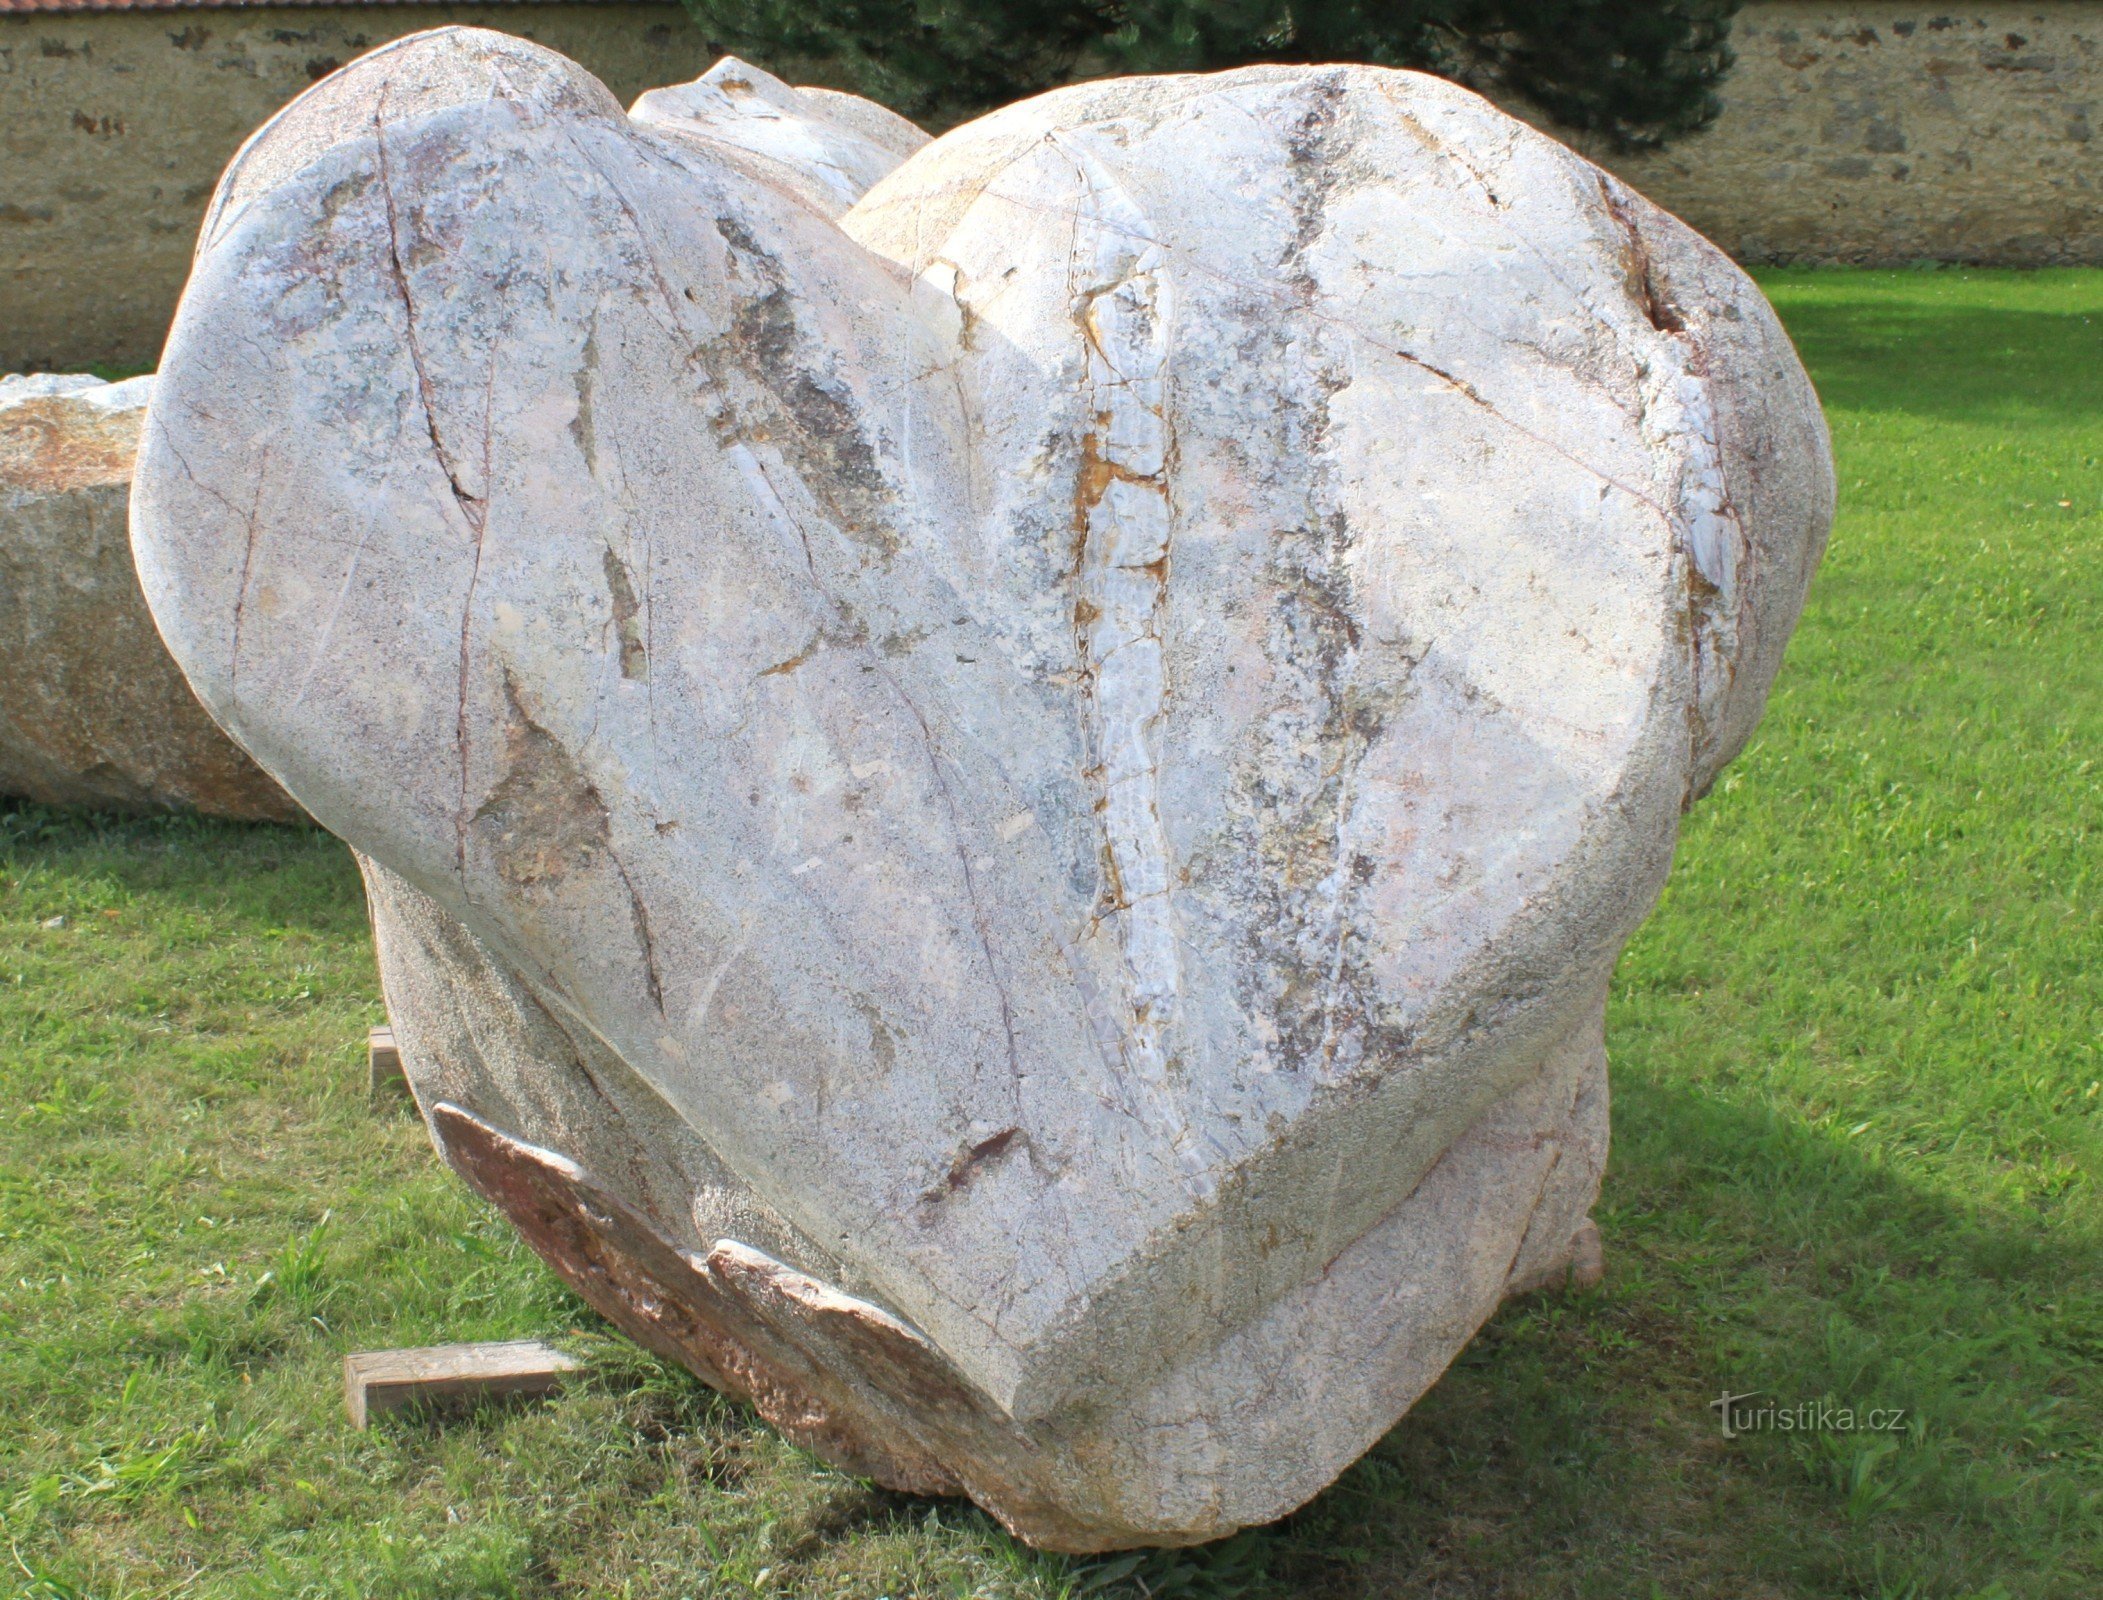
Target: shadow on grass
<point>256,874</point>
<point>1573,1449</point>
<point>1962,365</point>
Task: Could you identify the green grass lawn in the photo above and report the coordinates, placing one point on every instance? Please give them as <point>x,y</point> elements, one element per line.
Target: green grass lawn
<point>1859,1098</point>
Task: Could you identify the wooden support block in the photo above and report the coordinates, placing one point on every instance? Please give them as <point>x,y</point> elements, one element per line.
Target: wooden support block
<point>449,1375</point>
<point>383,1065</point>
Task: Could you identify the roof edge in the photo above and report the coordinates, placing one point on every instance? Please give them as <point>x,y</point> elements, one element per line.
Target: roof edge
<point>60,8</point>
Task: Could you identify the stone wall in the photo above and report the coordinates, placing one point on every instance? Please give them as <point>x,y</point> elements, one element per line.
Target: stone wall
<point>114,126</point>
<point>1874,133</point>
<point>1899,133</point>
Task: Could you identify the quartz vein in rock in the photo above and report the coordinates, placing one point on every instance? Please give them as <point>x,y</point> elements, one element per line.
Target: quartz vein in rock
<point>1122,306</point>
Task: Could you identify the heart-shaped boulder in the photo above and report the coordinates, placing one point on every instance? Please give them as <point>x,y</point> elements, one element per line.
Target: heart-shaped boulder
<point>1000,779</point>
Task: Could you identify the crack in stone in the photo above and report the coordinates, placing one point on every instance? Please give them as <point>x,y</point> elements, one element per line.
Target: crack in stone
<point>983,928</point>
<point>1636,262</point>
<point>974,1159</point>
<point>471,506</point>
<point>248,561</point>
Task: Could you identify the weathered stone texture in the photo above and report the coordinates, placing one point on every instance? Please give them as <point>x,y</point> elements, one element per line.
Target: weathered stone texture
<point>1896,133</point>
<point>996,814</point>
<point>92,711</point>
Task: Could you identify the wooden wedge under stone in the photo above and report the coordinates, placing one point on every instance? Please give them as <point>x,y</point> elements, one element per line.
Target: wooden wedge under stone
<point>450,1376</point>
<point>384,1078</point>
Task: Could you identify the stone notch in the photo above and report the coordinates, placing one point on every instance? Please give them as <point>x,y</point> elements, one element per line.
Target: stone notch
<point>712,1314</point>
<point>999,777</point>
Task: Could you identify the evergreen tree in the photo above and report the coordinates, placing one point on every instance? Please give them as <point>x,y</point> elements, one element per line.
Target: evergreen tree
<point>1639,72</point>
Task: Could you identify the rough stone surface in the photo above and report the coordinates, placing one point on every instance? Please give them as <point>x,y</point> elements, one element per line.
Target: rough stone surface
<point>92,711</point>
<point>822,146</point>
<point>997,817</point>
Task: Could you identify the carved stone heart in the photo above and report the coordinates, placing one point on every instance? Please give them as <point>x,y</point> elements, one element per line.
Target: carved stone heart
<point>997,809</point>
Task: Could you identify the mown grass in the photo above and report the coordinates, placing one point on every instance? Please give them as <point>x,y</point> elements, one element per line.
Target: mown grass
<point>1856,1068</point>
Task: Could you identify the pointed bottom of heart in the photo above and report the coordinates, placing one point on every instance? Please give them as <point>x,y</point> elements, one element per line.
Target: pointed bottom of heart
<point>836,1374</point>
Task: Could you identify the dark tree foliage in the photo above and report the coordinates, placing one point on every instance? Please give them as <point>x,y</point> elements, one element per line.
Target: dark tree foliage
<point>1638,72</point>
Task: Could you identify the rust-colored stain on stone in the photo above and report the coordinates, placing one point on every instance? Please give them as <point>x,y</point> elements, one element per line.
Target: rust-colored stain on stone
<point>93,712</point>
<point>761,1331</point>
<point>49,447</point>
<point>714,1316</point>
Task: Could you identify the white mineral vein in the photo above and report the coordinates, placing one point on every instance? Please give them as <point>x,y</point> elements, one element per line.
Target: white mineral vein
<point>1123,307</point>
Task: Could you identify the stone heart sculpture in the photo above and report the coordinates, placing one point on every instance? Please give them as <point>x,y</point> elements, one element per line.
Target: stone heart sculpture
<point>997,809</point>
